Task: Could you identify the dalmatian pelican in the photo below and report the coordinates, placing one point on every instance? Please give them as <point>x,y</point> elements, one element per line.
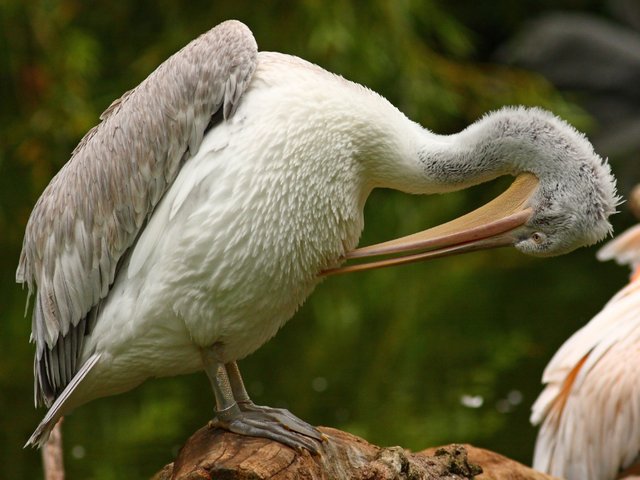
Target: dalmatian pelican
<point>195,218</point>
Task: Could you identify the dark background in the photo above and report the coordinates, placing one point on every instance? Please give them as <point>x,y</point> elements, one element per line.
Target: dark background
<point>449,351</point>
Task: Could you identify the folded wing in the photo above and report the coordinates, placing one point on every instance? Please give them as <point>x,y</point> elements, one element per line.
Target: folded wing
<point>93,210</point>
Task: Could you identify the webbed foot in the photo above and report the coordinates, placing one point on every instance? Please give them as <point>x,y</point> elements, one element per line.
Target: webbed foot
<point>273,423</point>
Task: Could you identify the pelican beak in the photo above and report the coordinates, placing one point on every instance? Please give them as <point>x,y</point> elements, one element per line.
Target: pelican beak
<point>493,225</point>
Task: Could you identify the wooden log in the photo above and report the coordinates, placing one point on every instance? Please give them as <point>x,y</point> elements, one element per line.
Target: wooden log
<point>212,453</point>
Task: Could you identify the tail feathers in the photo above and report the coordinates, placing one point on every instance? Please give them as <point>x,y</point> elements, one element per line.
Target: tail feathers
<point>41,435</point>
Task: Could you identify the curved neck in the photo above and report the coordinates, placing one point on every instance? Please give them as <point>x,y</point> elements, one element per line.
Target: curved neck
<point>506,142</point>
<point>485,150</point>
<point>423,162</point>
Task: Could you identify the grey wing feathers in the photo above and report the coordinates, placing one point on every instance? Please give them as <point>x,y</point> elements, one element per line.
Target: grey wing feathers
<point>93,209</point>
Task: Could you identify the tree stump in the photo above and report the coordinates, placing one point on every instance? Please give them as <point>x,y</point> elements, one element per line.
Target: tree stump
<point>217,454</point>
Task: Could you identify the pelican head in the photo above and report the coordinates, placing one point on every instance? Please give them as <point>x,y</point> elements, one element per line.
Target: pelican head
<point>576,192</point>
<point>560,200</point>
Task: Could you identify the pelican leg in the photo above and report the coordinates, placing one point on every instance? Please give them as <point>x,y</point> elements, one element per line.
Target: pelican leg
<point>277,415</point>
<point>253,423</point>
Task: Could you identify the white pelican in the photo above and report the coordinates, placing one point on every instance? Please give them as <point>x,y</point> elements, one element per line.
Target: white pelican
<point>589,410</point>
<point>190,224</point>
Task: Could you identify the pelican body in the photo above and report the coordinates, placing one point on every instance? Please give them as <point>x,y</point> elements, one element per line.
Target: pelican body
<point>589,410</point>
<point>192,222</point>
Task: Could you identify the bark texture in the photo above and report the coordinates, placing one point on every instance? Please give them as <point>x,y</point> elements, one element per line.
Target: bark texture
<point>216,454</point>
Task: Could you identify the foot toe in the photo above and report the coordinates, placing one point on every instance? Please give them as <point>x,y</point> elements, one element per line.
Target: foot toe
<point>280,426</point>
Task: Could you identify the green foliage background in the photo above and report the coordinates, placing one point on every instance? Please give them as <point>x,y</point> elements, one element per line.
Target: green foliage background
<point>386,355</point>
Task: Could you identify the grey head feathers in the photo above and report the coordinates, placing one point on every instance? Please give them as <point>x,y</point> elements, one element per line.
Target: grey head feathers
<point>577,191</point>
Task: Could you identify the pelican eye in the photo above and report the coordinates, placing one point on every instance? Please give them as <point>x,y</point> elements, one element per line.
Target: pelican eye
<point>538,237</point>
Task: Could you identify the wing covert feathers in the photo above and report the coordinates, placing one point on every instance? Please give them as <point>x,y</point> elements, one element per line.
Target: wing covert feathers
<point>93,209</point>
